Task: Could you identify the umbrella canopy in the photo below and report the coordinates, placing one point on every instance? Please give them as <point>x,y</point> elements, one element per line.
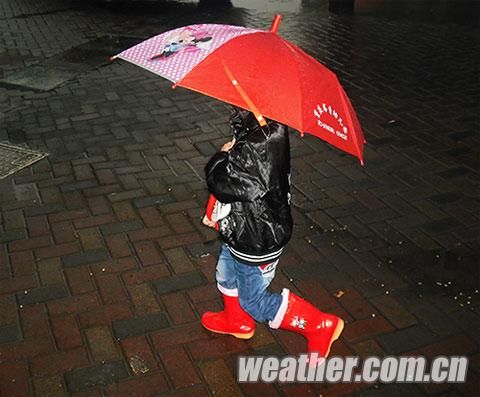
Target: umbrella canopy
<point>256,70</point>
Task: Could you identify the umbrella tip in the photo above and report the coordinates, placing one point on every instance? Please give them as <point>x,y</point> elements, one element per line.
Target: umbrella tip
<point>275,23</point>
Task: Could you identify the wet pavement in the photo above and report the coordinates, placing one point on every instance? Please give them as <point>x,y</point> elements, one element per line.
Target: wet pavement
<point>104,266</point>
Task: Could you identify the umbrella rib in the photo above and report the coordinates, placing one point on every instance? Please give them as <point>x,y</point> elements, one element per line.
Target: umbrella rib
<point>349,117</point>
<point>292,49</point>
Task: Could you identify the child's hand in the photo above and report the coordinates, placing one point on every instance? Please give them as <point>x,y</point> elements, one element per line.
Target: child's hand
<point>208,222</point>
<point>228,146</point>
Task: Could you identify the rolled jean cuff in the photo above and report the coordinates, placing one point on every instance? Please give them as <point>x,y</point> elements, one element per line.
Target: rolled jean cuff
<point>277,321</point>
<point>228,291</point>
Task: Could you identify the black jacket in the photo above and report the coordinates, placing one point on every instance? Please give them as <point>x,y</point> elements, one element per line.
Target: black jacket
<point>254,177</point>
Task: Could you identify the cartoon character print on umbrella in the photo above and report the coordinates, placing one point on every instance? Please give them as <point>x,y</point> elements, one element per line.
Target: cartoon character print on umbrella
<point>188,39</point>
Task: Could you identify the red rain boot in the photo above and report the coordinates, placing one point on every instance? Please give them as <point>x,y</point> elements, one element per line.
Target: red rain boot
<point>233,320</point>
<point>320,329</point>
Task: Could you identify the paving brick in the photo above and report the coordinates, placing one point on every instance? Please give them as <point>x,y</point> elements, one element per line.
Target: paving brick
<point>121,227</point>
<point>368,348</point>
<point>66,332</point>
<point>26,349</point>
<point>111,288</point>
<point>10,333</point>
<point>83,379</point>
<point>179,335</point>
<point>219,378</point>
<point>393,311</point>
<point>148,387</point>
<point>126,195</point>
<point>346,389</point>
<point>139,325</point>
<point>393,390</point>
<point>179,240</point>
<point>142,275</point>
<point>124,211</point>
<point>80,185</point>
<point>195,391</point>
<point>148,253</point>
<point>102,190</point>
<point>93,221</point>
<point>8,310</point>
<point>14,379</point>
<point>44,210</point>
<point>27,281</point>
<point>22,263</point>
<point>98,205</point>
<point>111,266</point>
<point>12,235</point>
<point>179,282</point>
<point>71,215</point>
<point>85,258</point>
<point>436,320</point>
<point>215,348</point>
<point>204,249</point>
<point>58,362</point>
<point>73,304</point>
<point>179,223</point>
<point>366,329</point>
<point>319,297</point>
<point>139,355</point>
<point>178,308</point>
<point>149,233</point>
<point>441,225</point>
<point>153,201</point>
<point>90,239</point>
<point>143,299</point>
<point>406,339</point>
<point>179,367</point>
<point>57,250</point>
<point>34,321</point>
<point>50,271</point>
<point>51,386</point>
<point>83,171</point>
<point>118,246</point>
<point>101,345</point>
<point>13,220</point>
<point>32,243</point>
<point>105,314</point>
<point>37,226</point>
<point>356,304</point>
<point>204,293</point>
<point>79,279</point>
<point>455,345</point>
<point>151,217</point>
<point>42,294</point>
<point>298,391</point>
<point>178,260</point>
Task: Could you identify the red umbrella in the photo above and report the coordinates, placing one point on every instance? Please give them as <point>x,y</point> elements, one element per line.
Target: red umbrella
<point>256,70</point>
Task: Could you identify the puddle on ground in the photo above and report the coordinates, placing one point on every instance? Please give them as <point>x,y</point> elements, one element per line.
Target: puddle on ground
<point>451,273</point>
<point>64,66</point>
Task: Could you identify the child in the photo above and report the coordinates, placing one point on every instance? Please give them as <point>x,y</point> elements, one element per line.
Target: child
<point>250,178</point>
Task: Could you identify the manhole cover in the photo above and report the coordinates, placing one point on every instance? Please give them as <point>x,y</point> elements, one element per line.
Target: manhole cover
<point>14,158</point>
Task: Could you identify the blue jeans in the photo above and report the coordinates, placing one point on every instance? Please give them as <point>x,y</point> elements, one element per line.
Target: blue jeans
<point>250,284</point>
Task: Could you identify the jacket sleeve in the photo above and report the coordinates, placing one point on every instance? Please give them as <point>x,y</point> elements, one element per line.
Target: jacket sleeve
<point>234,176</point>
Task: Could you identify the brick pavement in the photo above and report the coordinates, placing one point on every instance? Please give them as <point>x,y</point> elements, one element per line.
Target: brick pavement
<point>105,268</point>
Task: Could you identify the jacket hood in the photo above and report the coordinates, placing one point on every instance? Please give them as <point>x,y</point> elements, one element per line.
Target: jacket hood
<point>242,122</point>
